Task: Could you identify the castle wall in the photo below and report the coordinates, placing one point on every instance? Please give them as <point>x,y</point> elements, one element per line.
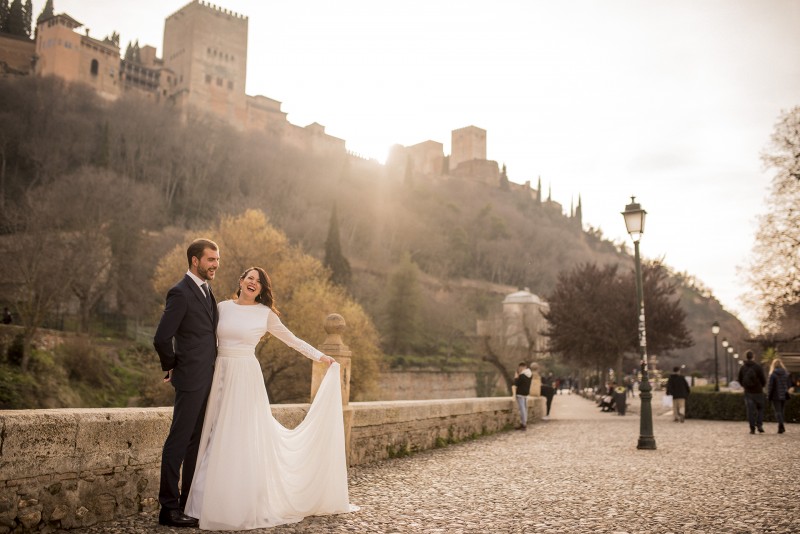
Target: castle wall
<point>16,54</point>
<point>427,158</point>
<point>206,47</point>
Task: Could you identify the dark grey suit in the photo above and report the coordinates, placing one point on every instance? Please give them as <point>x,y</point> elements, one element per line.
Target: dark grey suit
<point>186,342</point>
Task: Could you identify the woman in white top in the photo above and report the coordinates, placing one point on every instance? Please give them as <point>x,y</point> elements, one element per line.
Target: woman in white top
<point>251,471</point>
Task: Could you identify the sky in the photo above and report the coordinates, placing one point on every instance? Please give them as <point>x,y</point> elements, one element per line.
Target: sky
<point>672,102</point>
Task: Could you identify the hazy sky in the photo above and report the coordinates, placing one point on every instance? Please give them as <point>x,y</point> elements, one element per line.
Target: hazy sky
<point>669,101</point>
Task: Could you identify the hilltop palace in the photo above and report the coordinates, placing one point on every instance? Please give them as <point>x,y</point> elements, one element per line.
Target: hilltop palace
<point>204,67</point>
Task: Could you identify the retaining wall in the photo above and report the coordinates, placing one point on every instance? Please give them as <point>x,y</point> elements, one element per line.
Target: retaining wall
<point>75,467</point>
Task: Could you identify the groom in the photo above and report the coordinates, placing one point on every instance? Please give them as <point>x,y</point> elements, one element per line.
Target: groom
<point>186,343</point>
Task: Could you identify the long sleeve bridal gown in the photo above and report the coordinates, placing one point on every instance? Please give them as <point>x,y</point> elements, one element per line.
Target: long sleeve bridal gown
<point>251,471</point>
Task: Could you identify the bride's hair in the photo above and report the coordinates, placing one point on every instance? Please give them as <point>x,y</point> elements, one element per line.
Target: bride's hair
<point>265,297</point>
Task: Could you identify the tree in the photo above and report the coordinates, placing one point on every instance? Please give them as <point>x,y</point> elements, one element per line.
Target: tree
<point>27,17</point>
<point>774,271</point>
<point>39,276</point>
<point>46,13</point>
<point>592,321</point>
<point>15,24</point>
<point>303,295</point>
<point>504,185</point>
<point>401,314</point>
<point>4,11</point>
<point>334,259</point>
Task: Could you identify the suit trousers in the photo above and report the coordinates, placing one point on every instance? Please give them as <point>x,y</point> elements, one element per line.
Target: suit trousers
<point>181,447</point>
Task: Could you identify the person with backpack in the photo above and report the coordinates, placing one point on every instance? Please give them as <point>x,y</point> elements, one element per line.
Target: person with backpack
<point>752,379</point>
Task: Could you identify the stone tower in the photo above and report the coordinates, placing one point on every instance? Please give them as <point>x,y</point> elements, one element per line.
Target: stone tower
<point>206,47</point>
<point>467,144</point>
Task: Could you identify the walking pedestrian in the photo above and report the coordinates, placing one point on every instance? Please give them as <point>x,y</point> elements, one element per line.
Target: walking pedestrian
<point>752,379</point>
<point>778,391</point>
<point>522,379</point>
<point>547,392</point>
<point>679,389</point>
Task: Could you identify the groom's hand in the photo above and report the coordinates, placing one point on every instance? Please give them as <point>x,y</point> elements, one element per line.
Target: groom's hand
<point>168,376</point>
<point>327,359</point>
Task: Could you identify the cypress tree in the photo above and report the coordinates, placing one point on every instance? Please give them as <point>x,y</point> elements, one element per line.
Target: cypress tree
<point>46,13</point>
<point>401,317</point>
<point>4,9</point>
<point>334,259</point>
<point>504,179</point>
<point>15,24</point>
<point>539,191</point>
<point>27,17</point>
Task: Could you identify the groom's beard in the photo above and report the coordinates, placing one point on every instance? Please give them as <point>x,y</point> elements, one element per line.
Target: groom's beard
<point>206,274</point>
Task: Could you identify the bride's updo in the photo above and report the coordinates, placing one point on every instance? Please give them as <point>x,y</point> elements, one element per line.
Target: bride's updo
<point>265,297</point>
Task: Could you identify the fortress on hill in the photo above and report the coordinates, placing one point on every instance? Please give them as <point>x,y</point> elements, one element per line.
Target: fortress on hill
<point>204,70</point>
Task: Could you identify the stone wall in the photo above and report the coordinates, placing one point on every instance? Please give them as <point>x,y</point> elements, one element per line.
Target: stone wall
<point>421,384</point>
<point>74,467</point>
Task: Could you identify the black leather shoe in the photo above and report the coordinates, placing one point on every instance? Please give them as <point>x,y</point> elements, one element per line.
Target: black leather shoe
<point>760,430</point>
<point>176,518</point>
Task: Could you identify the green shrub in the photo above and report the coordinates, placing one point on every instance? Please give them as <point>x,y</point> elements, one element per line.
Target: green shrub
<point>727,406</point>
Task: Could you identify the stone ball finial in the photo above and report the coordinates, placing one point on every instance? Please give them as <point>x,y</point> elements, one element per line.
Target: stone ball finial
<point>334,324</point>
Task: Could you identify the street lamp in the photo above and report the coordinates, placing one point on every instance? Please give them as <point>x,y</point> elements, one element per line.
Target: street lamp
<point>734,366</point>
<point>730,354</point>
<point>725,344</point>
<point>715,331</point>
<point>634,223</point>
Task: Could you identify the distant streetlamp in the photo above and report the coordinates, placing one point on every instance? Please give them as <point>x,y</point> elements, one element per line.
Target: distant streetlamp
<point>734,366</point>
<point>634,222</point>
<point>727,358</point>
<point>715,331</point>
<point>725,344</point>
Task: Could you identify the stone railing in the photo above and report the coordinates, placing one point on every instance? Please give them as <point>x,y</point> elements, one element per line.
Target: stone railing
<point>75,467</point>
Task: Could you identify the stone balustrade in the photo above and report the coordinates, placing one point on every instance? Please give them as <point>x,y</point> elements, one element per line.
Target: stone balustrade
<point>70,468</point>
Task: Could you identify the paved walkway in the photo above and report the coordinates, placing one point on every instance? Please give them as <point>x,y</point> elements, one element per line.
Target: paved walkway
<point>579,472</point>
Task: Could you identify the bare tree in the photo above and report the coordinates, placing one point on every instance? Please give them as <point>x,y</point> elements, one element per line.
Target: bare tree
<point>774,271</point>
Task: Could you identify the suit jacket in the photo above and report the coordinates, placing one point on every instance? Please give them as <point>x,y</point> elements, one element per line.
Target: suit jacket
<point>192,325</point>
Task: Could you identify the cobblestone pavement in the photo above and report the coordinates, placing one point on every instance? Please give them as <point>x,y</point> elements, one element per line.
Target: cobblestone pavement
<point>579,472</point>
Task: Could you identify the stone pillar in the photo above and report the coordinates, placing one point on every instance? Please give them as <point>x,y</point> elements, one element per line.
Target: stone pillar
<point>334,347</point>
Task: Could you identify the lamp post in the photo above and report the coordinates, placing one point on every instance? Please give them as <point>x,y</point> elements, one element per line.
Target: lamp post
<point>734,367</point>
<point>728,357</point>
<point>725,344</point>
<point>715,331</point>
<point>634,223</point>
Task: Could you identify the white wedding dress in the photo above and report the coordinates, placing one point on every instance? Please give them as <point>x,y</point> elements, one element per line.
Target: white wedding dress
<point>252,472</point>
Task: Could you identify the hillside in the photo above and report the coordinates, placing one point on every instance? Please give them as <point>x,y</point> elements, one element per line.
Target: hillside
<point>472,242</point>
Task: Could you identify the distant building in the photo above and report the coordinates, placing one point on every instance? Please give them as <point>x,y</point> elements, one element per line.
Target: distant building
<point>204,70</point>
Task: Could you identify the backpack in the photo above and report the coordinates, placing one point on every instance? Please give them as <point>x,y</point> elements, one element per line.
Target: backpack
<point>750,378</point>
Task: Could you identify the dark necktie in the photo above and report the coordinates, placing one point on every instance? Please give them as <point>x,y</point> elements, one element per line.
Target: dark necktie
<point>207,291</point>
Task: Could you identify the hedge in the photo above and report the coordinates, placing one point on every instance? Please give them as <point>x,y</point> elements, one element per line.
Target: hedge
<point>726,406</point>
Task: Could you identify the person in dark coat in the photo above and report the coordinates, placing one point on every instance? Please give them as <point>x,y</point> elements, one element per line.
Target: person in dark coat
<point>752,379</point>
<point>679,389</point>
<point>778,390</point>
<point>522,380</point>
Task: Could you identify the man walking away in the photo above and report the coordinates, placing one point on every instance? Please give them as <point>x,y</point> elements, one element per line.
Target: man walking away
<point>679,389</point>
<point>752,379</point>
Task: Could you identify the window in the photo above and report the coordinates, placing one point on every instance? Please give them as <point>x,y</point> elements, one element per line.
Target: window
<point>208,78</point>
<point>95,67</point>
<point>230,85</point>
<point>219,82</point>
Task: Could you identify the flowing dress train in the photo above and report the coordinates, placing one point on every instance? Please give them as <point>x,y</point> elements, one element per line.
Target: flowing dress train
<point>252,472</point>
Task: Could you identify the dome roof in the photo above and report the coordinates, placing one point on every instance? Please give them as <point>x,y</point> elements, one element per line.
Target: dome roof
<point>523,297</point>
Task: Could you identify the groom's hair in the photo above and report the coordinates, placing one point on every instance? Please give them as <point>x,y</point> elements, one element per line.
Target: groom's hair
<point>197,249</point>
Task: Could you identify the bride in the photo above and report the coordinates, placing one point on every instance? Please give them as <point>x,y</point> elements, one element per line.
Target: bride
<point>251,471</point>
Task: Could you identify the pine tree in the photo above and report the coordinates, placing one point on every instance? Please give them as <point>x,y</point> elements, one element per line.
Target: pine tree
<point>579,213</point>
<point>129,52</point>
<point>334,259</point>
<point>46,13</point>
